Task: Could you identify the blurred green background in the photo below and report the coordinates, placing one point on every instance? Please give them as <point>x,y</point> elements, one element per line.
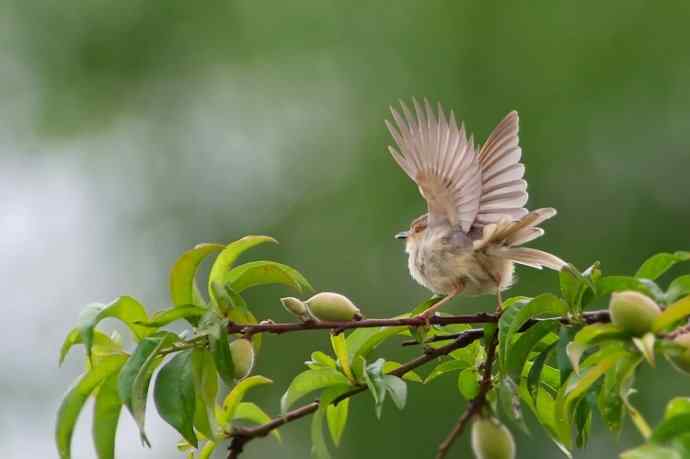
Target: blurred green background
<point>133,130</point>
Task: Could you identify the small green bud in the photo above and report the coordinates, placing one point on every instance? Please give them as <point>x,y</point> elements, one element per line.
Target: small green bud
<point>295,306</point>
<point>682,360</point>
<point>633,312</point>
<point>242,354</point>
<point>332,307</point>
<point>491,439</point>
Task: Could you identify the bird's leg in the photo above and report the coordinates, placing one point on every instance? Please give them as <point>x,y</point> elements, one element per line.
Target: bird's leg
<point>429,313</point>
<point>499,297</point>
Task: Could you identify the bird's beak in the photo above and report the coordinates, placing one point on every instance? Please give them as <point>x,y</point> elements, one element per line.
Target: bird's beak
<point>402,235</point>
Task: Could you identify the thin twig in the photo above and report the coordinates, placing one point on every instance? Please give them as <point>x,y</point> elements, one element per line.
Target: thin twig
<point>241,436</point>
<point>476,404</point>
<point>416,321</point>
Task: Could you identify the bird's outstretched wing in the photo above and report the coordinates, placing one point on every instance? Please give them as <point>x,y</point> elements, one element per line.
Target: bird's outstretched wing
<point>437,155</point>
<point>504,192</point>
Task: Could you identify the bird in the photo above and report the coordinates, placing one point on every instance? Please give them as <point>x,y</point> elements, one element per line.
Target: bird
<point>476,222</point>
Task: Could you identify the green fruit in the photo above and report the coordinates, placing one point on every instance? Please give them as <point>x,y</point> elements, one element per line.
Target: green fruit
<point>295,306</point>
<point>633,312</point>
<point>242,354</point>
<point>332,307</point>
<point>492,440</point>
<point>681,360</point>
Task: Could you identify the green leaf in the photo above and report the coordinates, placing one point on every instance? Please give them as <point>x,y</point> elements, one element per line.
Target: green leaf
<point>174,395</point>
<point>125,308</point>
<point>236,395</point>
<point>218,344</point>
<point>309,381</point>
<point>397,389</point>
<point>391,366</point>
<point>583,422</point>
<point>677,406</point>
<point>672,427</point>
<point>166,316</point>
<point>183,274</point>
<point>597,333</point>
<point>336,414</point>
<point>265,272</point>
<point>135,375</point>
<point>565,366</point>
<point>576,386</point>
<point>679,288</point>
<point>534,374</point>
<point>76,397</point>
<point>651,451</point>
<point>320,360</point>
<point>227,257</point>
<point>318,442</point>
<point>573,287</point>
<point>373,377</point>
<point>617,380</point>
<point>468,383</point>
<point>364,340</point>
<point>672,314</point>
<point>510,402</point>
<point>646,347</point>
<point>516,316</point>
<point>99,339</point>
<point>446,367</point>
<point>106,415</point>
<point>248,411</point>
<point>521,348</point>
<point>205,389</point>
<point>610,284</point>
<point>339,345</point>
<point>658,264</point>
<point>208,449</point>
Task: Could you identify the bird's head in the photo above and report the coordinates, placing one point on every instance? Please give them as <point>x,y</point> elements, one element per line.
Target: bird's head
<point>416,232</point>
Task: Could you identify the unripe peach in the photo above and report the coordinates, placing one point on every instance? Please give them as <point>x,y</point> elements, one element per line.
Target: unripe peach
<point>633,312</point>
<point>242,354</point>
<point>491,439</point>
<point>332,307</point>
<point>295,306</point>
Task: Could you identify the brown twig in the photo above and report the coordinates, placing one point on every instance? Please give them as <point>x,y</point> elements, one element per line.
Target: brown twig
<point>416,321</point>
<point>239,437</point>
<point>476,404</point>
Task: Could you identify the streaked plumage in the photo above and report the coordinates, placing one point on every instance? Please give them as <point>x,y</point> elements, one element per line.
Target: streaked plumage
<point>476,221</point>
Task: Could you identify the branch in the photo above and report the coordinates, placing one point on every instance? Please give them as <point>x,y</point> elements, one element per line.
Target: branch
<point>416,321</point>
<point>475,404</point>
<point>241,436</point>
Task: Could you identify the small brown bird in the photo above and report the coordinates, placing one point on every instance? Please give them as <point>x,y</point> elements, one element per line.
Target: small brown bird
<point>476,224</point>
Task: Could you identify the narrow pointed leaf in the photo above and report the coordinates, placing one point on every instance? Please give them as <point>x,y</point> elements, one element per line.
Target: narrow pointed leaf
<point>183,273</point>
<point>655,266</point>
<point>339,345</point>
<point>185,311</point>
<point>310,381</point>
<point>205,389</point>
<point>336,414</point>
<point>672,314</point>
<point>265,272</point>
<point>75,398</point>
<point>397,389</point>
<point>174,395</point>
<point>227,257</point>
<point>236,395</point>
<point>106,415</point>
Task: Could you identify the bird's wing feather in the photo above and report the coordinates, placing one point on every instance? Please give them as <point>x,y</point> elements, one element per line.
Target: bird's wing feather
<point>504,192</point>
<point>437,155</point>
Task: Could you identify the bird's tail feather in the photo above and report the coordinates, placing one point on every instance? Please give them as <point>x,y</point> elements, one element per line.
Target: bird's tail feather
<point>505,237</point>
